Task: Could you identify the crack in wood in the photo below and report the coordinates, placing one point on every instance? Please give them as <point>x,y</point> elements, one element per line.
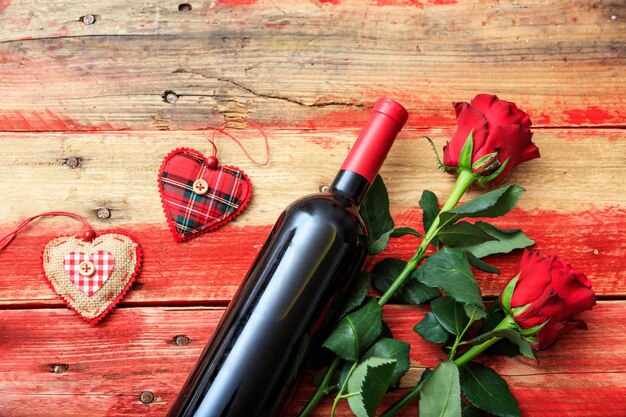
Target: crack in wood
<point>255,93</point>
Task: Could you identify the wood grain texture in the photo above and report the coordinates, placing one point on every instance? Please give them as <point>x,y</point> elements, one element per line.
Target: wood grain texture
<point>208,270</point>
<point>568,209</point>
<point>579,170</point>
<point>108,366</point>
<point>308,72</point>
<point>304,65</point>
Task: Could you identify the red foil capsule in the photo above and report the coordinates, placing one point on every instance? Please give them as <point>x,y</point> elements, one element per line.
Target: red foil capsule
<point>373,144</point>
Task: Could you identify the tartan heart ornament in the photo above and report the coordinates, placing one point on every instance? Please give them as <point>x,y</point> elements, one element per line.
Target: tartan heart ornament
<point>199,196</point>
<point>92,276</point>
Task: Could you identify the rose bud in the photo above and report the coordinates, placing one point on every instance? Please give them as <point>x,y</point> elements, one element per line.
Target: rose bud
<point>498,139</point>
<point>545,296</point>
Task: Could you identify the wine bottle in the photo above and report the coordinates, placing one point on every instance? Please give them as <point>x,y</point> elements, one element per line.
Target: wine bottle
<point>315,248</point>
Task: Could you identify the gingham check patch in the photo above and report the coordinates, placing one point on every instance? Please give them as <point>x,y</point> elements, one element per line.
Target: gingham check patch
<point>77,264</point>
<point>189,213</point>
<point>111,262</point>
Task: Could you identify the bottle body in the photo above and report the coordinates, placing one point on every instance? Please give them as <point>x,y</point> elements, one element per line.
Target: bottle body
<point>315,247</point>
<point>310,256</point>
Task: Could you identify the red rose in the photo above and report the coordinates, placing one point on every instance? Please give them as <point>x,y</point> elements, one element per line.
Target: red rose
<point>553,292</point>
<point>499,128</point>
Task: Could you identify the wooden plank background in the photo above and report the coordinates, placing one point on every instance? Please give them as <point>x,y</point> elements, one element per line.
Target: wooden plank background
<point>307,73</point>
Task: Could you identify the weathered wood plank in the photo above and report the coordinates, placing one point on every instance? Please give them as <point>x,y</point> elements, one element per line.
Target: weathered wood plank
<point>304,64</point>
<point>109,365</point>
<point>579,170</point>
<point>569,208</point>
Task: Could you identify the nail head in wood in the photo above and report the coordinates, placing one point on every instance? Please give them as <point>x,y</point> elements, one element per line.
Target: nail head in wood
<point>181,340</point>
<point>72,162</point>
<point>184,7</point>
<point>324,188</point>
<point>104,213</point>
<point>88,19</point>
<point>170,97</point>
<point>146,397</point>
<point>59,368</point>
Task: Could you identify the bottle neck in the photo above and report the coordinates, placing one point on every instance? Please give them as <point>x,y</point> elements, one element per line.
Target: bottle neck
<point>348,186</point>
<point>369,152</point>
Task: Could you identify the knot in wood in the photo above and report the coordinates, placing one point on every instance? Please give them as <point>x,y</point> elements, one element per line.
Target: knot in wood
<point>104,213</point>
<point>88,19</point>
<point>59,368</point>
<point>72,162</point>
<point>170,97</point>
<point>181,340</point>
<point>146,397</point>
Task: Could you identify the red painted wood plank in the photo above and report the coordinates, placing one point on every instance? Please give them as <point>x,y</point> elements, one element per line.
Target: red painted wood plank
<point>209,269</point>
<point>107,367</point>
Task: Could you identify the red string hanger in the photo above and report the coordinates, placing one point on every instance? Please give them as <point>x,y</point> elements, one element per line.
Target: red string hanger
<point>91,274</point>
<point>213,161</point>
<point>198,194</point>
<point>88,234</point>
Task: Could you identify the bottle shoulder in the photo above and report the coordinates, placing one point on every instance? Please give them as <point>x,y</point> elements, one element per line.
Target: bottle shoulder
<point>324,207</point>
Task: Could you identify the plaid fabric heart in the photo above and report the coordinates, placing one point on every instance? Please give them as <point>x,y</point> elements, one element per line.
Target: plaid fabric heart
<point>197,199</point>
<point>88,272</point>
<point>91,277</point>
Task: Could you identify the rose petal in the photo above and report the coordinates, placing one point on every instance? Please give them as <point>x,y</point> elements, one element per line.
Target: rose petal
<point>511,142</point>
<point>522,117</point>
<point>468,120</point>
<point>552,331</point>
<point>500,112</point>
<point>547,307</point>
<point>577,295</point>
<point>533,280</point>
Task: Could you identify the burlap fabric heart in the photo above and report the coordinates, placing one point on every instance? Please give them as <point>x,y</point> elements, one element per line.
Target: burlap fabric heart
<point>92,277</point>
<point>196,198</point>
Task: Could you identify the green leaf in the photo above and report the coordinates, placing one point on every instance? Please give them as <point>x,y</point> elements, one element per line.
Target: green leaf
<point>475,312</point>
<point>532,331</point>
<point>465,157</point>
<point>504,241</point>
<point>484,181</point>
<point>356,293</point>
<point>485,163</point>
<point>449,270</point>
<point>430,208</point>
<point>492,204</point>
<point>494,316</point>
<point>411,291</point>
<point>441,393</point>
<point>381,243</point>
<point>485,389</point>
<point>403,231</point>
<point>375,211</point>
<point>463,234</point>
<point>512,335</point>
<point>481,265</point>
<point>391,349</point>
<point>386,332</point>
<point>356,332</point>
<point>507,294</point>
<point>450,314</point>
<point>430,329</point>
<point>369,382</point>
<point>440,164</point>
<point>470,411</point>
